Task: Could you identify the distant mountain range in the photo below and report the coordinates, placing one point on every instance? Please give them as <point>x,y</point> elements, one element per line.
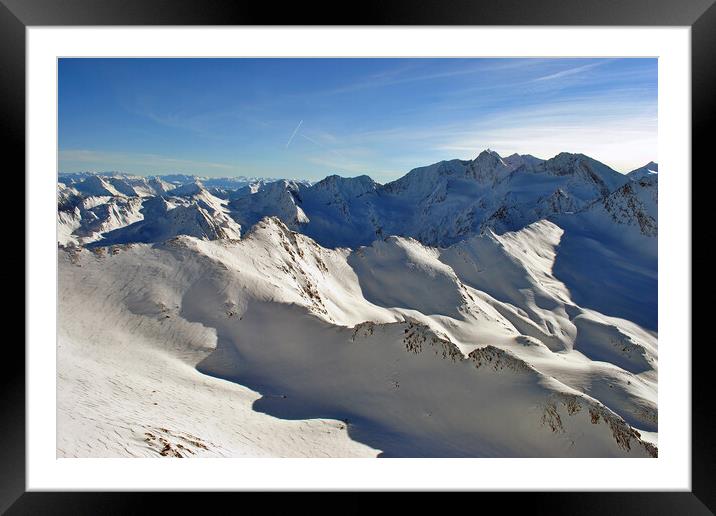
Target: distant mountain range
<point>439,204</point>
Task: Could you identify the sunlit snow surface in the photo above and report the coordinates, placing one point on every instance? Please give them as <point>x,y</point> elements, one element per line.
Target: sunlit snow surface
<point>487,308</point>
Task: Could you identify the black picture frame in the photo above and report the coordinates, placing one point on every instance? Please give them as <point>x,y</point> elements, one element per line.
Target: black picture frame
<point>700,15</point>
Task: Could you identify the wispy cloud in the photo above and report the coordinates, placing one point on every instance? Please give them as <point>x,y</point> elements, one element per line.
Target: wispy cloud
<point>619,131</point>
<point>402,75</point>
<point>621,140</point>
<point>571,71</point>
<point>375,116</point>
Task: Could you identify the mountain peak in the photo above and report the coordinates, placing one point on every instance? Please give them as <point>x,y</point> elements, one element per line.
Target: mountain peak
<point>588,171</point>
<point>488,153</point>
<point>650,169</point>
<point>188,189</point>
<point>347,186</point>
<point>527,161</point>
<point>569,156</point>
<point>488,166</point>
<point>96,185</point>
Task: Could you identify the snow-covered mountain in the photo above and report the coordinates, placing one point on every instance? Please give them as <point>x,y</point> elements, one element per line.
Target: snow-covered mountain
<point>84,216</point>
<point>185,210</point>
<point>515,161</point>
<point>173,180</point>
<point>280,198</point>
<point>143,186</point>
<point>439,204</point>
<point>492,307</point>
<point>376,339</point>
<point>633,204</point>
<point>650,169</point>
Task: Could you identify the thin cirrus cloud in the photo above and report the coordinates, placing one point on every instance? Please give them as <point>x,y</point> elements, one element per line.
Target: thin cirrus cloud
<point>314,117</point>
<point>569,71</point>
<point>405,75</point>
<point>619,131</point>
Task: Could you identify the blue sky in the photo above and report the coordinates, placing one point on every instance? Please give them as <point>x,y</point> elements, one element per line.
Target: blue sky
<point>308,118</point>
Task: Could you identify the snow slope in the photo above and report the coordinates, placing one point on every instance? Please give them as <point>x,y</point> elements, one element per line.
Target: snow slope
<point>608,253</point>
<point>486,307</point>
<point>310,341</point>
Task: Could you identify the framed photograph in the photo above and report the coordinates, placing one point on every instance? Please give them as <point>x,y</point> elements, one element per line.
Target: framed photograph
<point>423,248</point>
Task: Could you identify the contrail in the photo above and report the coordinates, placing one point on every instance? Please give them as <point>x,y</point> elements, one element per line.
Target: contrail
<point>293,134</point>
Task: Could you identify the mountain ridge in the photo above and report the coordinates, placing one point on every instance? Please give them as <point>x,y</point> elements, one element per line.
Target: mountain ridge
<point>438,204</point>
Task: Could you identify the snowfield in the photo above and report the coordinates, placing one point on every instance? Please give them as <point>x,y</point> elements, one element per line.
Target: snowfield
<point>199,322</point>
